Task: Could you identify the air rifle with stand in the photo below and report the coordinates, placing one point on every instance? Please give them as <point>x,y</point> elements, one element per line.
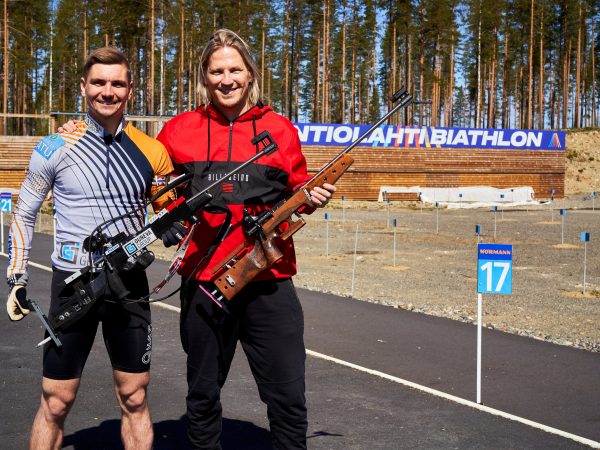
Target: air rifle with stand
<point>122,253</point>
<point>242,265</point>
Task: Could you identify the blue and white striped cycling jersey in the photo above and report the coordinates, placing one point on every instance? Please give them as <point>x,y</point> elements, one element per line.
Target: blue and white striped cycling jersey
<point>94,177</point>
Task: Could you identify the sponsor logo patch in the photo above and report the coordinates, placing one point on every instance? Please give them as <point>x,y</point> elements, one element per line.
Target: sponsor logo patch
<point>68,251</point>
<point>142,240</point>
<point>48,146</point>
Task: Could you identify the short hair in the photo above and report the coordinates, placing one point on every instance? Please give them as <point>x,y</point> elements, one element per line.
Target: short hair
<point>106,55</point>
<point>227,38</point>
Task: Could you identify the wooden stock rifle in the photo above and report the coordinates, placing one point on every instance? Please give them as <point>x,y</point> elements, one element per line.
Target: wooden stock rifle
<point>241,266</point>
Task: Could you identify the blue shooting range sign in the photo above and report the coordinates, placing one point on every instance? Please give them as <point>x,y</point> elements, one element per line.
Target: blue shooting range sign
<point>5,202</point>
<point>563,212</point>
<point>477,229</point>
<point>326,216</point>
<point>394,222</point>
<point>494,268</point>
<point>585,236</point>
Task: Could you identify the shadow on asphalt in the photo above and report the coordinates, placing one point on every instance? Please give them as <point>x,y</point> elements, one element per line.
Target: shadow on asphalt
<point>169,435</point>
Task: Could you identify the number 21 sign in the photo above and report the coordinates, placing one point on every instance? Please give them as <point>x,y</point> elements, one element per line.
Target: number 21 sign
<point>5,202</point>
<point>494,268</point>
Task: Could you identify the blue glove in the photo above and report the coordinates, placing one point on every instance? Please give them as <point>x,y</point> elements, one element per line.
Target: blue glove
<point>175,234</point>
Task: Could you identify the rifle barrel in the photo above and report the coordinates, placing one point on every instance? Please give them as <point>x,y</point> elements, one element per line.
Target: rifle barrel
<point>406,99</point>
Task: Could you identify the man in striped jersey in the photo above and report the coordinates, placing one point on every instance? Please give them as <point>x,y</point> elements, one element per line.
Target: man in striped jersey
<point>105,169</point>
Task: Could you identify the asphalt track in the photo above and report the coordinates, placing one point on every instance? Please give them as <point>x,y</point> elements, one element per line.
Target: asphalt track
<point>362,362</point>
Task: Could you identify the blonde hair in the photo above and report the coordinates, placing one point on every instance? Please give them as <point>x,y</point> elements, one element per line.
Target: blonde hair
<point>227,38</point>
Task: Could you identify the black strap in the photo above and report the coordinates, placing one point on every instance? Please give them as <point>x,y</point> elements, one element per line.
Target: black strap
<point>254,129</point>
<point>223,229</point>
<point>208,138</point>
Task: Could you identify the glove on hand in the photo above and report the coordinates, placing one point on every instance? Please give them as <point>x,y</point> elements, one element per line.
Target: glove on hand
<point>17,303</point>
<point>175,234</point>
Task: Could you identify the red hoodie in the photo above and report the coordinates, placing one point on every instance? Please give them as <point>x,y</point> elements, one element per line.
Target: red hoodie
<point>207,144</point>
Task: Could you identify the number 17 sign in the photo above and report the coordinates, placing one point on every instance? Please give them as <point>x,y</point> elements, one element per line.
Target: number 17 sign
<point>494,268</point>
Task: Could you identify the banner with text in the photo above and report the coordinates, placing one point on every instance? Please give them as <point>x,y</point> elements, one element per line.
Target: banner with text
<point>431,137</point>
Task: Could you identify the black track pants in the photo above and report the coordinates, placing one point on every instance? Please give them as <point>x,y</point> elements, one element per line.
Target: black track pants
<point>266,317</point>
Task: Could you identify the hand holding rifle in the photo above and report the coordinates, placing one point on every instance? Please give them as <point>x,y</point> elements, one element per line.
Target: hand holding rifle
<point>247,260</point>
<point>320,196</point>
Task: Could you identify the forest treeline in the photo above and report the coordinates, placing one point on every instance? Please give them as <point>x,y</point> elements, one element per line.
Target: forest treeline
<point>469,63</point>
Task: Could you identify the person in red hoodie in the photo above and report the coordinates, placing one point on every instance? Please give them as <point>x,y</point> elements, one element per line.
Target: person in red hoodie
<point>266,316</point>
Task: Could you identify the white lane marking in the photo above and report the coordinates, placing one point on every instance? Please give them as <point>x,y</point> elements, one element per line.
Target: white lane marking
<point>176,309</point>
<point>453,398</point>
<point>33,264</point>
<point>435,392</point>
<point>39,266</point>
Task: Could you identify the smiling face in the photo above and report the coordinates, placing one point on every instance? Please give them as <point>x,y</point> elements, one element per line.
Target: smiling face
<point>107,89</point>
<point>228,82</point>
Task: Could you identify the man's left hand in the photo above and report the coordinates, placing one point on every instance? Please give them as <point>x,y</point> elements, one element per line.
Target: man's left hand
<point>320,196</point>
<point>175,234</point>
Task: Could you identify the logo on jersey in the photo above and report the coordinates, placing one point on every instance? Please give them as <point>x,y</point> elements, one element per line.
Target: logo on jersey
<point>147,355</point>
<point>49,145</point>
<point>69,251</point>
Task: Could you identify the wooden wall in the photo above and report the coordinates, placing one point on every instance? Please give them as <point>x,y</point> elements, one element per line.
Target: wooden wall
<point>432,167</point>
<point>375,167</point>
<point>15,152</point>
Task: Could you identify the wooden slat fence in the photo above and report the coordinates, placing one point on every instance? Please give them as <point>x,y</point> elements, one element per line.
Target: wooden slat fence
<point>375,167</point>
<point>428,167</point>
<point>15,152</point>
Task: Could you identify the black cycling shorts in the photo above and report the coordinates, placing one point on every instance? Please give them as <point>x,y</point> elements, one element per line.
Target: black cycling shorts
<point>126,328</point>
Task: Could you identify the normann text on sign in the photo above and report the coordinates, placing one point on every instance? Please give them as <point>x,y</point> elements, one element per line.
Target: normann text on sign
<point>494,251</point>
